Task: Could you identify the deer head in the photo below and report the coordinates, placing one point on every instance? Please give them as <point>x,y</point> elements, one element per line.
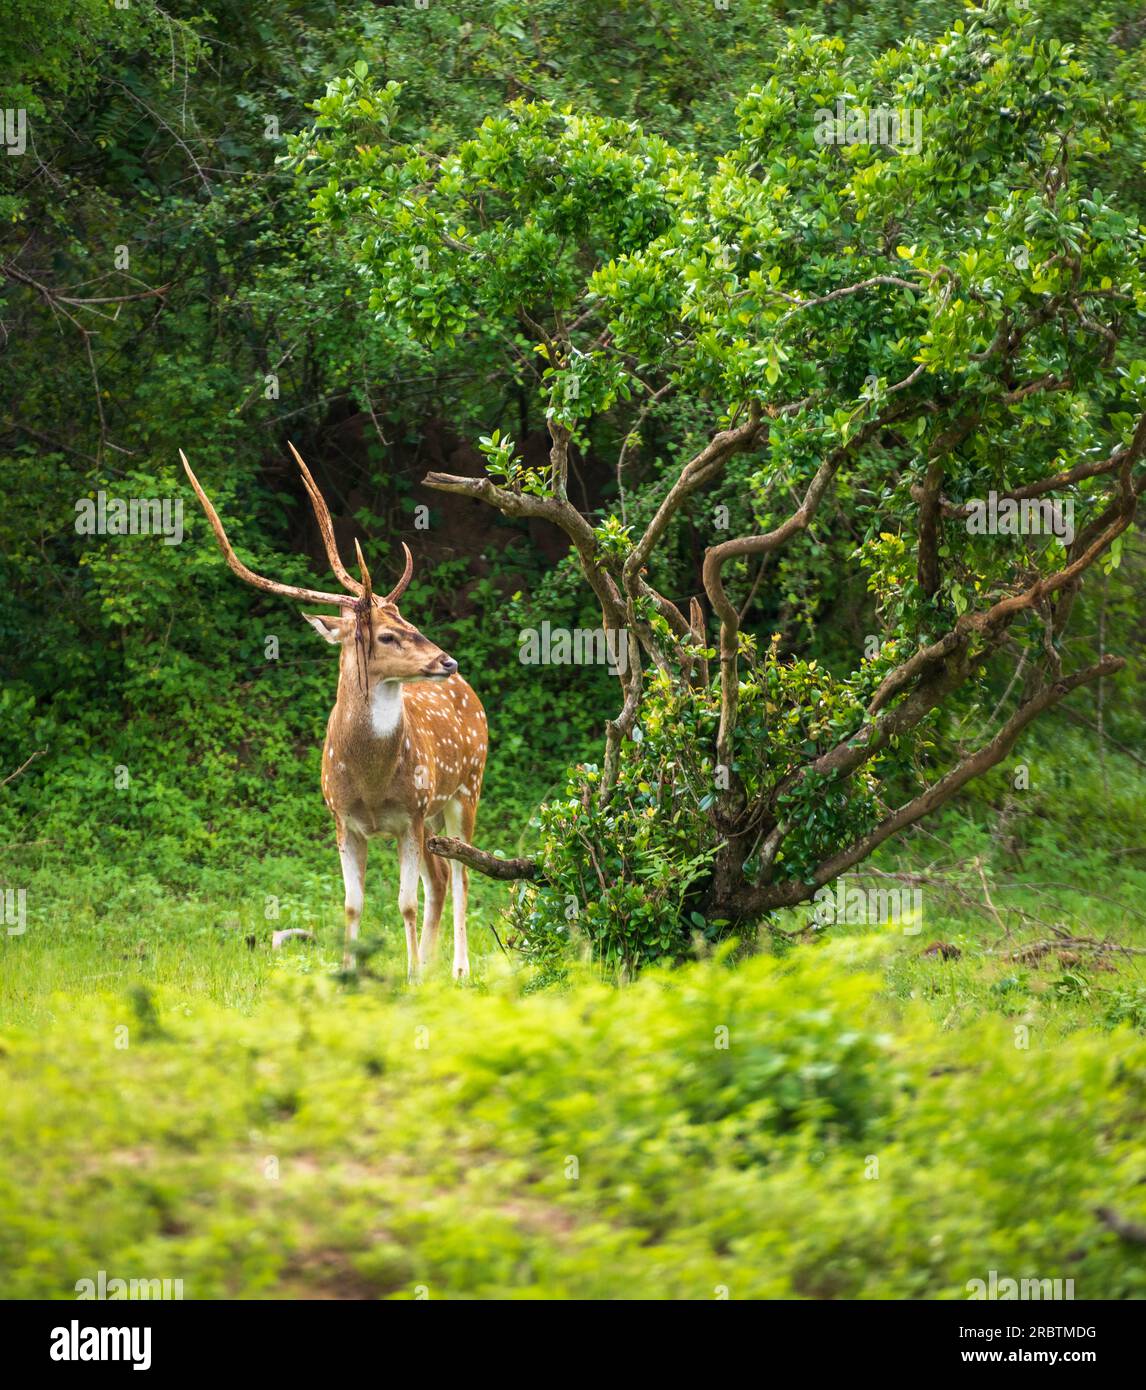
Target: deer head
<point>377,643</point>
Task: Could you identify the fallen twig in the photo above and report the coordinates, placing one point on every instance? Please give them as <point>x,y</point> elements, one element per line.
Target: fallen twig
<point>1067,943</point>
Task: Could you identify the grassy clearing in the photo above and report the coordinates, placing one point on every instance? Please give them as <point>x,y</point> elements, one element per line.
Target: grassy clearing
<point>93,935</point>
<point>90,933</point>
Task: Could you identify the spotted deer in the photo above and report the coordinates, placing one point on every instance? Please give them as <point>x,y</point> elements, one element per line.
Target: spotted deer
<point>405,742</point>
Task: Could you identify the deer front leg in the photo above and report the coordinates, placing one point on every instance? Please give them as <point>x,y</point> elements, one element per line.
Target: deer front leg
<point>352,852</point>
<point>409,858</point>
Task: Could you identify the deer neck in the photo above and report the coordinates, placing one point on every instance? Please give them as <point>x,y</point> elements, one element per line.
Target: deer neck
<point>372,721</point>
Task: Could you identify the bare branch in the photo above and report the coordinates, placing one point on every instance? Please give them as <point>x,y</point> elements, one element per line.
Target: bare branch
<point>39,753</point>
<point>1130,1231</point>
<point>449,847</point>
<point>929,507</point>
<point>717,556</point>
<point>560,436</point>
<point>698,471</point>
<point>793,891</point>
<point>560,512</point>
<point>615,612</point>
<point>1076,474</point>
<point>894,280</point>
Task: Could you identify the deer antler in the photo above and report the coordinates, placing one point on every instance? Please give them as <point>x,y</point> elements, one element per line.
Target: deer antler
<point>366,588</point>
<point>270,585</point>
<point>400,588</point>
<point>326,526</point>
<point>360,589</point>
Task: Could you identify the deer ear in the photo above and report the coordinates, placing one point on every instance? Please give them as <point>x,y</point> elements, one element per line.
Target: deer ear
<point>333,629</point>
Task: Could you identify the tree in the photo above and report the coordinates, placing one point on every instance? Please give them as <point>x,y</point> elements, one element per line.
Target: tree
<point>900,328</point>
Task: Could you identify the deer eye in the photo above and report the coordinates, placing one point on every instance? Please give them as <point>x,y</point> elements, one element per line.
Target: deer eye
<point>387,637</point>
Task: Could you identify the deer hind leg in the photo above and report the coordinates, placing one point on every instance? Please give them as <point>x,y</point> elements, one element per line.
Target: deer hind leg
<point>435,878</point>
<point>459,817</point>
<point>409,858</point>
<point>352,852</point>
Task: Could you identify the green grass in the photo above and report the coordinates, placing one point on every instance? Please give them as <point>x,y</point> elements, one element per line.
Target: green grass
<point>88,932</point>
<point>970,961</point>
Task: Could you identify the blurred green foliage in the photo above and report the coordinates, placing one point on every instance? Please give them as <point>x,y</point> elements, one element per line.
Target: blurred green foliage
<point>749,1133</point>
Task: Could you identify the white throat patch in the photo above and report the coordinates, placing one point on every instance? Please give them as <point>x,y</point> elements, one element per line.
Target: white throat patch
<point>385,707</point>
